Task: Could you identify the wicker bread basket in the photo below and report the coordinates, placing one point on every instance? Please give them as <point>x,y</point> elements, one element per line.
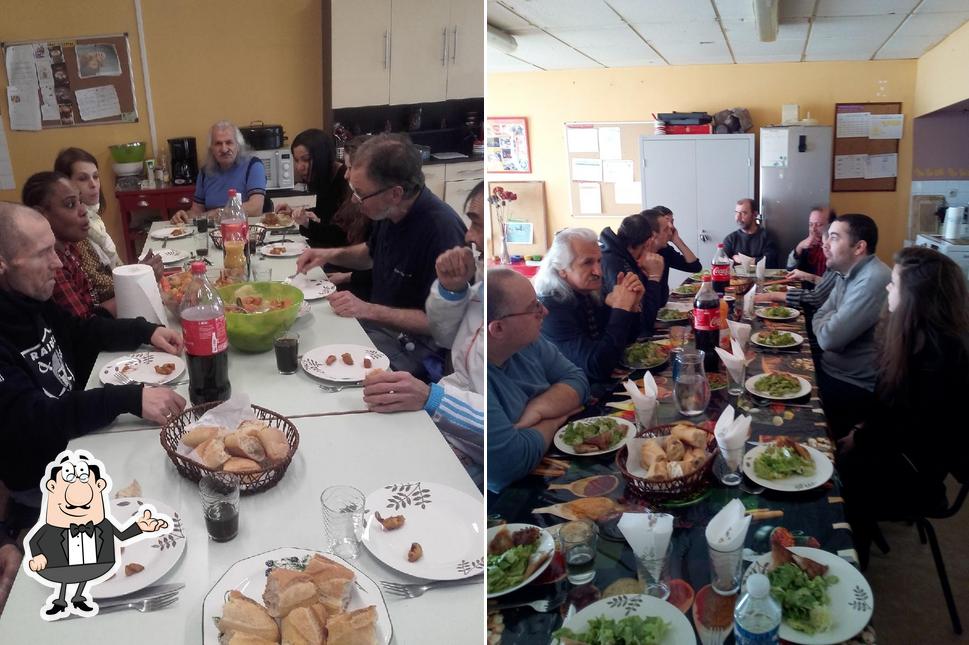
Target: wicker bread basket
<point>669,490</point>
<point>172,432</point>
<point>257,232</point>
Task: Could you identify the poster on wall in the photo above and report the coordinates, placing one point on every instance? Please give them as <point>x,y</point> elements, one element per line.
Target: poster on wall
<point>506,145</point>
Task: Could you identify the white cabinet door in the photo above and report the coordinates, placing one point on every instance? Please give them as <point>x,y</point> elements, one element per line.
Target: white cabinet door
<point>361,52</point>
<point>420,38</point>
<point>725,168</point>
<point>465,77</point>
<point>434,179</point>
<point>455,192</point>
<point>464,170</point>
<point>669,179</point>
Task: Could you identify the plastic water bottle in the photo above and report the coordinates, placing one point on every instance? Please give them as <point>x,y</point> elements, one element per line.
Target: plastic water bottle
<point>757,616</point>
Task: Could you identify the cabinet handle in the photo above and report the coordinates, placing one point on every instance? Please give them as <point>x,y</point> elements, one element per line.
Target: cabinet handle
<point>386,49</point>
<point>454,49</point>
<point>184,200</point>
<point>705,236</point>
<point>443,47</point>
<point>142,203</point>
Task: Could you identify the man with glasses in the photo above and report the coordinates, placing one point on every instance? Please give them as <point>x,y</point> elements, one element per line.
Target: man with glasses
<point>412,227</point>
<point>532,387</point>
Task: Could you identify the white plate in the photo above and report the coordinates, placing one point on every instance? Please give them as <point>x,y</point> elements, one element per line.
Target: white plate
<point>170,256</point>
<point>805,389</point>
<point>623,605</point>
<point>852,602</point>
<point>546,544</point>
<point>566,448</point>
<point>166,233</point>
<point>143,368</point>
<point>312,288</point>
<point>158,555</point>
<point>798,339</point>
<point>444,521</point>
<point>314,362</point>
<point>761,313</point>
<point>292,249</point>
<point>823,469</point>
<point>248,576</point>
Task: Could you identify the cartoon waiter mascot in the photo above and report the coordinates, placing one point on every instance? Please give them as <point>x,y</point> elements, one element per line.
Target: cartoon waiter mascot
<point>78,542</point>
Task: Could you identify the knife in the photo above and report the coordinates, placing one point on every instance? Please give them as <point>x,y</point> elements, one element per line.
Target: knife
<point>141,594</point>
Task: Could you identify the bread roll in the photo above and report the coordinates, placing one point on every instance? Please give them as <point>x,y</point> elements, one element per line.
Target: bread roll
<point>303,626</point>
<point>240,465</point>
<point>245,443</point>
<point>334,582</point>
<point>212,453</point>
<point>658,471</point>
<point>651,452</point>
<point>354,628</point>
<point>674,449</point>
<point>696,457</point>
<point>286,590</point>
<point>244,616</point>
<point>691,436</point>
<point>199,434</point>
<point>274,443</point>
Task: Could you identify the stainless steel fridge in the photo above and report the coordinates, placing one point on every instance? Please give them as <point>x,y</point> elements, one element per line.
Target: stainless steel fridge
<point>795,175</point>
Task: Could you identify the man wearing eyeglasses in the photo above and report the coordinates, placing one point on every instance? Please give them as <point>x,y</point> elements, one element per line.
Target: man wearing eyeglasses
<point>532,387</point>
<point>412,227</point>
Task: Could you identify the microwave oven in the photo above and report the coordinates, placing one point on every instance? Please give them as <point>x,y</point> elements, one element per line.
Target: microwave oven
<point>279,167</point>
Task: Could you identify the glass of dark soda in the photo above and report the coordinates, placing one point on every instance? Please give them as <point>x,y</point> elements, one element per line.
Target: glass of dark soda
<point>220,505</point>
<point>287,352</point>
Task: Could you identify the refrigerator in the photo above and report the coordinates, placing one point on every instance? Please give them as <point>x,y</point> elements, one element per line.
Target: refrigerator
<point>795,175</point>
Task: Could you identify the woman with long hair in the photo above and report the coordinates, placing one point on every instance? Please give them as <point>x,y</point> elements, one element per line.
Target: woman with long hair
<point>898,459</point>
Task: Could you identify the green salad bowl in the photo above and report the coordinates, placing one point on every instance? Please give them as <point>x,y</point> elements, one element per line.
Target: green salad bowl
<point>255,332</point>
<point>128,152</point>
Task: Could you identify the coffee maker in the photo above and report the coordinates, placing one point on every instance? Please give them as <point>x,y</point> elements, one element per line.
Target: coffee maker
<point>185,165</point>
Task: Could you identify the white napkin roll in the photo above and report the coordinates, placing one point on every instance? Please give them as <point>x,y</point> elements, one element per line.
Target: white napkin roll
<point>732,433</point>
<point>733,360</point>
<point>647,533</point>
<point>739,331</point>
<point>762,268</point>
<point>645,401</point>
<point>137,293</point>
<point>749,302</point>
<point>727,529</point>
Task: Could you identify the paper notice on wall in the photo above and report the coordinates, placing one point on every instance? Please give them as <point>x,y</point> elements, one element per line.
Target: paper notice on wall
<point>24,108</point>
<point>850,166</point>
<point>584,139</point>
<point>885,126</point>
<point>590,199</point>
<point>48,104</point>
<point>21,71</point>
<point>617,171</point>
<point>880,166</point>
<point>98,102</point>
<point>774,145</point>
<point>629,192</point>
<point>6,168</point>
<point>610,145</point>
<point>519,233</point>
<point>852,124</point>
<point>586,170</point>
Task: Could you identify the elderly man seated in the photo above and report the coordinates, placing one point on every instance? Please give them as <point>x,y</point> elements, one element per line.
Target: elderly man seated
<point>228,165</point>
<point>46,356</point>
<point>532,387</point>
<point>591,331</point>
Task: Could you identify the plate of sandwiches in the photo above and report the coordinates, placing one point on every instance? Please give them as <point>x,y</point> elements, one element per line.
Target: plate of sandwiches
<point>343,363</point>
<point>295,595</point>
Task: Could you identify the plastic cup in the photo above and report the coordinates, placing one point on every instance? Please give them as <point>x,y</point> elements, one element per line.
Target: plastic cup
<point>219,493</point>
<point>343,519</point>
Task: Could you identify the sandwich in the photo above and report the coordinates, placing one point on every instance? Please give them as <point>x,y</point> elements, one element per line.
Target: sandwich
<point>286,590</point>
<point>354,628</point>
<point>245,616</point>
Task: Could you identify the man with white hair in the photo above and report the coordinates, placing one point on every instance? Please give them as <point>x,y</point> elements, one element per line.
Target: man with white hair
<point>228,165</point>
<point>532,387</point>
<point>591,331</point>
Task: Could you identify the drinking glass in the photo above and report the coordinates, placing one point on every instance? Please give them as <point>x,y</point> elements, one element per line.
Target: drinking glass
<point>578,540</point>
<point>261,273</point>
<point>728,464</point>
<point>725,569</point>
<point>220,505</point>
<point>736,378</point>
<point>201,239</point>
<point>343,519</point>
<point>286,345</point>
<point>691,391</point>
<point>650,570</point>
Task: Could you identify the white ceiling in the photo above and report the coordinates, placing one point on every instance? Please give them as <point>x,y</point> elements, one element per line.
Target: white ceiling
<point>575,34</point>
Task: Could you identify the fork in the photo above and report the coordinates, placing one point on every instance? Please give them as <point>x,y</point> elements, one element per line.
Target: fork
<point>122,378</point>
<point>416,590</point>
<point>541,606</point>
<point>339,388</point>
<point>165,242</point>
<point>144,606</point>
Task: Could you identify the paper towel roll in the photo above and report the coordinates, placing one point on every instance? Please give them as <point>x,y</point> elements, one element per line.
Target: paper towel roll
<point>953,222</point>
<point>137,293</point>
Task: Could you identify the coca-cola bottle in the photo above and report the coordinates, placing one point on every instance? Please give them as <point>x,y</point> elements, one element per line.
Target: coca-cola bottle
<point>720,270</point>
<point>206,341</point>
<point>706,323</point>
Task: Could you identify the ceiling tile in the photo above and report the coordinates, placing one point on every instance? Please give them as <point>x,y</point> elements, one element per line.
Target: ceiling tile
<point>933,24</point>
<point>501,62</point>
<point>865,7</point>
<point>907,47</point>
<point>613,47</point>
<point>743,38</point>
<point>663,11</point>
<point>504,19</point>
<point>850,28</point>
<point>564,14</point>
<point>678,52</point>
<point>939,6</point>
<point>546,52</point>
<point>735,9</point>
<point>796,9</point>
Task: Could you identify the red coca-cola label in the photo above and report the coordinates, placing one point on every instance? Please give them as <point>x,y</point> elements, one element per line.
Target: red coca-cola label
<point>205,337</point>
<point>720,272</point>
<point>706,319</point>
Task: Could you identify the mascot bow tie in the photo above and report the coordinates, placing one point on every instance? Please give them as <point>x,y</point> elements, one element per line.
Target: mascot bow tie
<point>82,528</point>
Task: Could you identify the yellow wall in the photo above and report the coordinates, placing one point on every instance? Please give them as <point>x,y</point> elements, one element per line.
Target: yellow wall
<point>219,59</point>
<point>943,74</point>
<point>549,99</point>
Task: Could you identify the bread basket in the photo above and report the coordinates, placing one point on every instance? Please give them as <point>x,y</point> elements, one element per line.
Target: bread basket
<point>172,432</point>
<point>670,490</point>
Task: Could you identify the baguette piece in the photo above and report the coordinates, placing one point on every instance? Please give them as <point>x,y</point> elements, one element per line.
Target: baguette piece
<point>241,466</point>
<point>199,435</point>
<point>690,435</point>
<point>305,626</point>
<point>274,443</point>
<point>242,615</point>
<point>212,453</point>
<point>354,628</point>
<point>286,590</point>
<point>238,638</point>
<point>245,443</point>
<point>334,582</point>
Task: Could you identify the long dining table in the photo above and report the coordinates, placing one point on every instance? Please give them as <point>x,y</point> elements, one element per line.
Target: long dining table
<point>815,517</point>
<point>341,443</point>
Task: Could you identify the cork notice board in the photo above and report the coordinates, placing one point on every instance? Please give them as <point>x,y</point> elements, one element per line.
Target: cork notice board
<point>862,145</point>
<point>613,147</point>
<point>80,81</point>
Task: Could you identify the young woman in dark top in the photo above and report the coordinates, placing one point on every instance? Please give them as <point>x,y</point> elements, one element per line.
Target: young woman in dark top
<point>630,251</point>
<point>897,461</point>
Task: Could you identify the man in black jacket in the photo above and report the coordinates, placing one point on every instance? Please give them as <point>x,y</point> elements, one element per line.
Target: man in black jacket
<point>46,356</point>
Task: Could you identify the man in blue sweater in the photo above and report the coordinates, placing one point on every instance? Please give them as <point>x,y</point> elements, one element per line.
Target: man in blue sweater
<point>532,387</point>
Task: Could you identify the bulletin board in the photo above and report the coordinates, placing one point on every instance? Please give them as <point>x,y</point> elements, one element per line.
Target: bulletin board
<point>79,81</point>
<point>862,145</point>
<point>530,208</point>
<point>615,198</point>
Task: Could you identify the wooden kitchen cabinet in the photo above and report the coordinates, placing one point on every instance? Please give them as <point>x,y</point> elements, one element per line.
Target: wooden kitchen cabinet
<point>361,42</point>
<point>166,200</point>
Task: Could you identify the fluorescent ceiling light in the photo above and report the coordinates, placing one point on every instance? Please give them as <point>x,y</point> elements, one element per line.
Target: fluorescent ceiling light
<point>501,40</point>
<point>765,16</point>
